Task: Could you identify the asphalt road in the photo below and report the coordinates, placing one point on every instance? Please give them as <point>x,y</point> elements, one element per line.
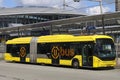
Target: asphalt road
<point>19,71</point>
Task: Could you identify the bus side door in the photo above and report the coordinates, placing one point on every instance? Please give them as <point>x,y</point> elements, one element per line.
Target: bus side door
<point>87,54</point>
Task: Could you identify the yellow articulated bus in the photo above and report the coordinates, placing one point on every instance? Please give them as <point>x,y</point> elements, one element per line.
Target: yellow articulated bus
<point>93,51</point>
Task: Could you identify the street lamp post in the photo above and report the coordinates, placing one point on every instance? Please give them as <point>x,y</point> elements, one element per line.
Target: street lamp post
<point>64,4</point>
<point>100,3</point>
<point>101,12</point>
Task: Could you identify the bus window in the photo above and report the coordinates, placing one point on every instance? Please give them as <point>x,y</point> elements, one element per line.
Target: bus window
<point>13,49</point>
<point>44,50</point>
<point>66,50</point>
<point>77,48</point>
<point>105,49</point>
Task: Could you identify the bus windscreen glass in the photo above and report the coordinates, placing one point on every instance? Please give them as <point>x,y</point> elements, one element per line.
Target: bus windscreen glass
<point>105,49</point>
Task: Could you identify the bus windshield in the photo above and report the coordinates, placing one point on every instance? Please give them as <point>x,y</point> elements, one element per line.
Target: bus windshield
<point>105,49</point>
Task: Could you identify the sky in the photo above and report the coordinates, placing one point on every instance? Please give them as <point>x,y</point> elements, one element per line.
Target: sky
<point>87,6</point>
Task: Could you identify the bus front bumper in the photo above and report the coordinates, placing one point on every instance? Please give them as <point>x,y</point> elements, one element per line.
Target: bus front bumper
<point>99,63</point>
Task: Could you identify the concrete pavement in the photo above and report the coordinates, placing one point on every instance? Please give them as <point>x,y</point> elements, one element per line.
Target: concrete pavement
<point>18,71</point>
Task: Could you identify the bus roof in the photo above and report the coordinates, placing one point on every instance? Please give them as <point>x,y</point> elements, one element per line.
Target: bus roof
<point>56,38</point>
<point>21,40</point>
<point>69,38</point>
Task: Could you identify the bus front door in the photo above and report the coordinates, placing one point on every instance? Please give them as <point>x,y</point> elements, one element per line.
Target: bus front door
<point>55,55</point>
<point>87,54</point>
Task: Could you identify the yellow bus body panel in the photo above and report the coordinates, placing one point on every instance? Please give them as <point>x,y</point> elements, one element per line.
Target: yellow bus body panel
<point>69,62</point>
<point>44,61</point>
<point>99,63</point>
<point>27,59</point>
<point>62,38</point>
<point>79,57</point>
<point>65,62</point>
<point>21,40</point>
<point>16,59</point>
<point>8,57</point>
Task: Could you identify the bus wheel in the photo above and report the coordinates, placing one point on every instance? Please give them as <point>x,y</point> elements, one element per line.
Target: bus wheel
<point>75,63</point>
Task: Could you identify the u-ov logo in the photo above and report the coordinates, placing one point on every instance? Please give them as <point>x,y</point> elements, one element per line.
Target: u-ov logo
<point>22,51</point>
<point>55,52</point>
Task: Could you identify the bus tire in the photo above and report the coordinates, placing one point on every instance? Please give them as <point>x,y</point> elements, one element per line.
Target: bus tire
<point>75,63</point>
